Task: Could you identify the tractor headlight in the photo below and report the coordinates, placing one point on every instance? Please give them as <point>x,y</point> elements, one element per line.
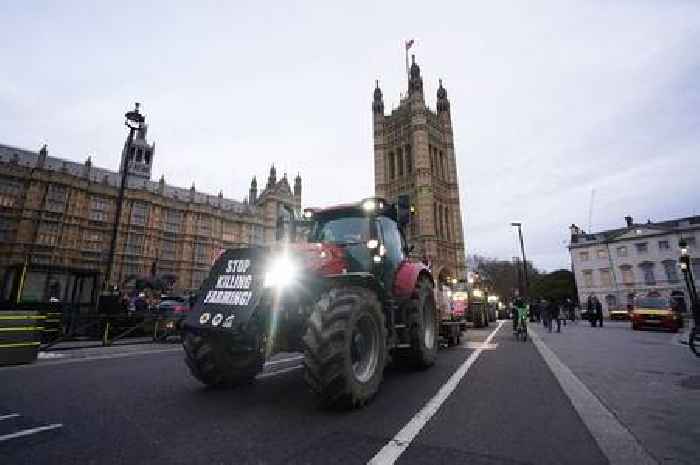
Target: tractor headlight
<point>281,273</point>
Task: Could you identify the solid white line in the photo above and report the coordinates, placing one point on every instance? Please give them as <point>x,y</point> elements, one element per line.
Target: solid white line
<point>614,439</point>
<point>27,432</point>
<point>399,443</point>
<point>285,360</point>
<point>11,415</point>
<point>279,372</point>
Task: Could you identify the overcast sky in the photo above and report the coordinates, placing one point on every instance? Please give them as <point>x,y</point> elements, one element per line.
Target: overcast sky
<point>549,99</point>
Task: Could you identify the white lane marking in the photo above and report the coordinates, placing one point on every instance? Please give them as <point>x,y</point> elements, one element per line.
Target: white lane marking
<point>27,432</point>
<point>11,415</point>
<point>614,439</point>
<point>279,372</point>
<point>399,443</point>
<point>285,360</point>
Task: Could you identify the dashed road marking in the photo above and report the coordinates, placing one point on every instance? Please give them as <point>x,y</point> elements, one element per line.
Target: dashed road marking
<point>30,431</point>
<point>615,441</point>
<point>285,360</point>
<point>399,443</point>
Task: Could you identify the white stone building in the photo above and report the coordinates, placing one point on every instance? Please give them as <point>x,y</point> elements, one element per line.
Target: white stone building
<point>639,259</point>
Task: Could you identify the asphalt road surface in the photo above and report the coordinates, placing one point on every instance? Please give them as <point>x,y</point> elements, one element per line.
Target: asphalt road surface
<point>495,403</point>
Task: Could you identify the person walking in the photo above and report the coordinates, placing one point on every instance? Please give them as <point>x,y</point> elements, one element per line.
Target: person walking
<point>590,310</point>
<point>554,314</point>
<point>546,315</point>
<point>599,313</point>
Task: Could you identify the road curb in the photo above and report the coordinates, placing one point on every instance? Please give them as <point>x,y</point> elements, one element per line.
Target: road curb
<point>615,440</point>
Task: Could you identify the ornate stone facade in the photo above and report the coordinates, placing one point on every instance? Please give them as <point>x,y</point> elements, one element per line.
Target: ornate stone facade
<point>414,155</point>
<point>58,215</point>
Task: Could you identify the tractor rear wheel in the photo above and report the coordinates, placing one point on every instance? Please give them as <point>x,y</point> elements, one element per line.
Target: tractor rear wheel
<point>215,365</point>
<point>345,347</point>
<point>423,324</point>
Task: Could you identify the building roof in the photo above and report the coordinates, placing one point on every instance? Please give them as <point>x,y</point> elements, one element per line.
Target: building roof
<point>580,237</point>
<point>30,159</point>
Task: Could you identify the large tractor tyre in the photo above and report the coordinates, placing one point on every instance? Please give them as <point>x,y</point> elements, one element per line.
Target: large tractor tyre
<point>423,324</point>
<point>217,366</point>
<point>345,347</point>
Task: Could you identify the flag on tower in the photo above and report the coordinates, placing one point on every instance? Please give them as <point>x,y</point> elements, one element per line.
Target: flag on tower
<point>409,44</point>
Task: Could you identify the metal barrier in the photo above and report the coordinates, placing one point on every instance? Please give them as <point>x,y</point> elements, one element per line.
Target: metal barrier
<point>20,336</point>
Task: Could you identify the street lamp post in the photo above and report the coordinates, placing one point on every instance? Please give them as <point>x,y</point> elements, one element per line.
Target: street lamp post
<point>522,250</point>
<point>134,121</point>
<point>687,270</point>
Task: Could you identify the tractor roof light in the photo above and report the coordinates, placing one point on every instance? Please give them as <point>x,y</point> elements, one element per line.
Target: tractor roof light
<point>371,205</point>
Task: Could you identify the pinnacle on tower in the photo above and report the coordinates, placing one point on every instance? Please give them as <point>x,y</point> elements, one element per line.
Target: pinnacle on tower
<point>378,102</point>
<point>272,179</point>
<point>297,185</point>
<point>442,103</point>
<point>415,81</point>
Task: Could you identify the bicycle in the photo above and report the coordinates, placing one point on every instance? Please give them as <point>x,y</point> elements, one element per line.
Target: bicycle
<point>521,331</point>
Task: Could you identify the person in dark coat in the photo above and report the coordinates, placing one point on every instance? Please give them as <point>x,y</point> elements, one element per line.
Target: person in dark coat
<point>590,310</point>
<point>546,316</point>
<point>554,315</point>
<point>599,313</point>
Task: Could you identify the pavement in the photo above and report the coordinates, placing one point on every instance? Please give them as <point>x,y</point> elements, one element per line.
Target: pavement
<point>491,400</point>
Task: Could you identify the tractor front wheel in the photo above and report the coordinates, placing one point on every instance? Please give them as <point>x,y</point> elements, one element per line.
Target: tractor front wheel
<point>345,347</point>
<point>216,365</point>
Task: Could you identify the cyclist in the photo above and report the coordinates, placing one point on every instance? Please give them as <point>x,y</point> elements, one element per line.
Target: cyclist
<point>520,310</point>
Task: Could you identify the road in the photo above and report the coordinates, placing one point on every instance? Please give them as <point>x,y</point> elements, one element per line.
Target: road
<point>141,406</point>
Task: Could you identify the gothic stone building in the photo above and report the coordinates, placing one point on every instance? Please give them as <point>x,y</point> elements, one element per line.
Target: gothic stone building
<point>414,155</point>
<point>57,219</point>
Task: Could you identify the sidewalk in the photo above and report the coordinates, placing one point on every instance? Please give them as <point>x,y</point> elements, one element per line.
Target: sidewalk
<point>645,378</point>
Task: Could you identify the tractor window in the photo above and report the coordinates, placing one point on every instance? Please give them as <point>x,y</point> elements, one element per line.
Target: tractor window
<point>345,230</point>
<point>392,239</point>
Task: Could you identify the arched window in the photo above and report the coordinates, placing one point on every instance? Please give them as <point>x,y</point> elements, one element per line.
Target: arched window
<point>442,165</point>
<point>390,163</point>
<point>435,219</point>
<point>409,159</point>
<point>399,161</point>
<point>627,274</point>
<point>441,219</point>
<point>648,273</point>
<point>670,270</point>
<point>448,224</point>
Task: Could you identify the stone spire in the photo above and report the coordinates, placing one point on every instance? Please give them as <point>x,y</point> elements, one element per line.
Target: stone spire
<point>297,186</point>
<point>43,153</point>
<point>378,102</point>
<point>272,179</point>
<point>253,192</point>
<point>415,81</point>
<point>442,103</point>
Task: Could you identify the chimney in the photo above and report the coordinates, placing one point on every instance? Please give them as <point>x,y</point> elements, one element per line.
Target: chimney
<point>629,220</point>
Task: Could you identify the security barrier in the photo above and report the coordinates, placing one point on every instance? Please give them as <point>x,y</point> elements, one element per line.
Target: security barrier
<point>20,336</point>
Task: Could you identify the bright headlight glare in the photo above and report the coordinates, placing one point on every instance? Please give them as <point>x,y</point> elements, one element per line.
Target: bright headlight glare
<point>372,244</point>
<point>369,205</point>
<point>282,272</point>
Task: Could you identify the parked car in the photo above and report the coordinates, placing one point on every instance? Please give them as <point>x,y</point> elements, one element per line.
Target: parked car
<point>619,314</point>
<point>171,313</point>
<point>655,312</point>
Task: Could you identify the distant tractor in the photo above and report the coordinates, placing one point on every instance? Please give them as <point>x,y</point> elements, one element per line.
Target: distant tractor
<point>349,299</point>
<point>477,311</point>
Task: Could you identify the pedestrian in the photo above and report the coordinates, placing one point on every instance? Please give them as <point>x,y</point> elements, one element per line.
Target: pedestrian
<point>590,310</point>
<point>599,312</point>
<point>514,315</point>
<point>546,316</point>
<point>554,314</point>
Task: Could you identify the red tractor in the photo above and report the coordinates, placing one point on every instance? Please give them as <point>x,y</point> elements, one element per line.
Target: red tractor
<point>349,299</point>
